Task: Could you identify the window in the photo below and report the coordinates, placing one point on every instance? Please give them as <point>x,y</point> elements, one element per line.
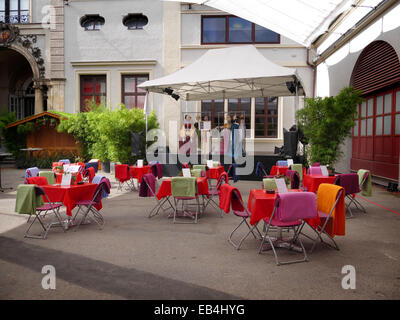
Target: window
<point>135,21</point>
<point>93,90</point>
<point>240,108</point>
<point>231,29</point>
<point>132,96</point>
<point>91,22</point>
<point>215,108</point>
<point>266,117</point>
<point>14,11</point>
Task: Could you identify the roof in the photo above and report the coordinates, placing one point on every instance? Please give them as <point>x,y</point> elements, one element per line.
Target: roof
<point>52,114</point>
<point>300,20</point>
<point>234,72</point>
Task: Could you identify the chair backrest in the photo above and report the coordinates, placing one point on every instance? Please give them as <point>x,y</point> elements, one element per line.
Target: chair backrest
<point>199,166</point>
<point>32,172</point>
<point>197,172</point>
<point>148,186</point>
<point>294,206</point>
<point>328,195</point>
<point>269,184</point>
<point>294,179</point>
<point>282,163</point>
<point>315,170</point>
<point>102,190</point>
<point>94,165</point>
<point>183,187</point>
<point>40,181</point>
<point>223,178</point>
<point>260,170</point>
<point>122,172</point>
<point>65,161</point>
<point>299,168</point>
<point>237,203</point>
<point>316,164</point>
<point>349,181</point>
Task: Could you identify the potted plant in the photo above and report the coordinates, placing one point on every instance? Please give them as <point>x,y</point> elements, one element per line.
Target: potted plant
<point>326,123</point>
<point>60,169</point>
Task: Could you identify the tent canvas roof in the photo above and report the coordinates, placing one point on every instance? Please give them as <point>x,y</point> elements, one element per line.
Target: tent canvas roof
<point>234,72</point>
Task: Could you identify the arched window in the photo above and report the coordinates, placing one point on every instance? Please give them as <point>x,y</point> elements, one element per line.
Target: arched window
<point>92,22</point>
<point>135,21</point>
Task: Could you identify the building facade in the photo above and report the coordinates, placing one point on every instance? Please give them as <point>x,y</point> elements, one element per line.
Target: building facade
<point>368,58</point>
<point>101,50</point>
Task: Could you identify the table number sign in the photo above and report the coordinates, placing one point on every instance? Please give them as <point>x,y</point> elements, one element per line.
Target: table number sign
<point>324,171</point>
<point>140,163</point>
<point>66,179</point>
<point>186,172</point>
<point>289,162</point>
<point>210,163</point>
<point>281,185</point>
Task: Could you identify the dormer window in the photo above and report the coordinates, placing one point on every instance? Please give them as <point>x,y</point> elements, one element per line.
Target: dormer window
<point>135,21</point>
<point>92,22</point>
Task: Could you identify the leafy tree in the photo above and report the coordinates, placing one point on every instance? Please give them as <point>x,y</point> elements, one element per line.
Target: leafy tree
<point>327,122</point>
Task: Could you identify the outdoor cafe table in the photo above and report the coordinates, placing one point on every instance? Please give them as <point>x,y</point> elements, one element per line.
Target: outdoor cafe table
<point>312,182</point>
<point>59,177</point>
<point>261,204</point>
<point>70,195</point>
<point>139,172</point>
<point>214,173</point>
<point>165,188</point>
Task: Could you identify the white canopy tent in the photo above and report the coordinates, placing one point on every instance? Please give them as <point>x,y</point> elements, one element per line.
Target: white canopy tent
<point>300,20</point>
<point>235,72</point>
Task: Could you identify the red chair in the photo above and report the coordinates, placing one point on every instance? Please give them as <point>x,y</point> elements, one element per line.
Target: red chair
<point>123,176</point>
<point>240,210</point>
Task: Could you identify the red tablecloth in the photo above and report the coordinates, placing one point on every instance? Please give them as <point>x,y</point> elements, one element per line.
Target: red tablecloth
<point>312,182</point>
<point>275,170</point>
<point>137,173</point>
<point>165,188</point>
<point>59,177</point>
<point>70,195</point>
<point>261,204</point>
<point>213,173</point>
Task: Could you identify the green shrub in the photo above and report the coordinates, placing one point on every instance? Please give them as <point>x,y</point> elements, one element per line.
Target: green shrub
<point>327,122</point>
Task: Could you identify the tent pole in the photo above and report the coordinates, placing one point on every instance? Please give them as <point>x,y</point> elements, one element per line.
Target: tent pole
<point>145,119</point>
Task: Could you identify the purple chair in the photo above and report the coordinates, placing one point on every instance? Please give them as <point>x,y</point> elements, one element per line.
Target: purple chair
<point>315,171</point>
<point>102,189</point>
<point>148,189</point>
<point>294,177</point>
<point>350,184</point>
<point>290,211</point>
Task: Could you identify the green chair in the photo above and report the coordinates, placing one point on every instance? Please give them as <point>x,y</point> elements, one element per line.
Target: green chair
<point>184,190</point>
<point>50,176</point>
<point>269,184</point>
<point>299,168</point>
<point>196,173</point>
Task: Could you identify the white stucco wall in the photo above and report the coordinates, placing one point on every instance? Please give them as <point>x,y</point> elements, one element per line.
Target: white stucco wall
<point>112,43</point>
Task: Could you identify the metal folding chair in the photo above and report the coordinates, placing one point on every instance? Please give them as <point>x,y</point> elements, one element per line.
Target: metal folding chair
<point>320,230</point>
<point>351,190</point>
<point>185,198</point>
<point>242,212</point>
<point>32,172</point>
<point>290,210</point>
<point>214,193</point>
<point>152,193</point>
<point>47,207</point>
<point>89,205</point>
<point>122,181</point>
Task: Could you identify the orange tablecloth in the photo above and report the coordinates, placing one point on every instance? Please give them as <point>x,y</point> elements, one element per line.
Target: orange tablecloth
<point>213,173</point>
<point>261,204</point>
<point>59,177</point>
<point>275,170</point>
<point>70,195</point>
<point>138,173</point>
<point>165,188</point>
<point>312,182</point>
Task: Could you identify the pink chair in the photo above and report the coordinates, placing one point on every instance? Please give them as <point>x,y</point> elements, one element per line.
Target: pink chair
<point>290,210</point>
<point>314,171</point>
